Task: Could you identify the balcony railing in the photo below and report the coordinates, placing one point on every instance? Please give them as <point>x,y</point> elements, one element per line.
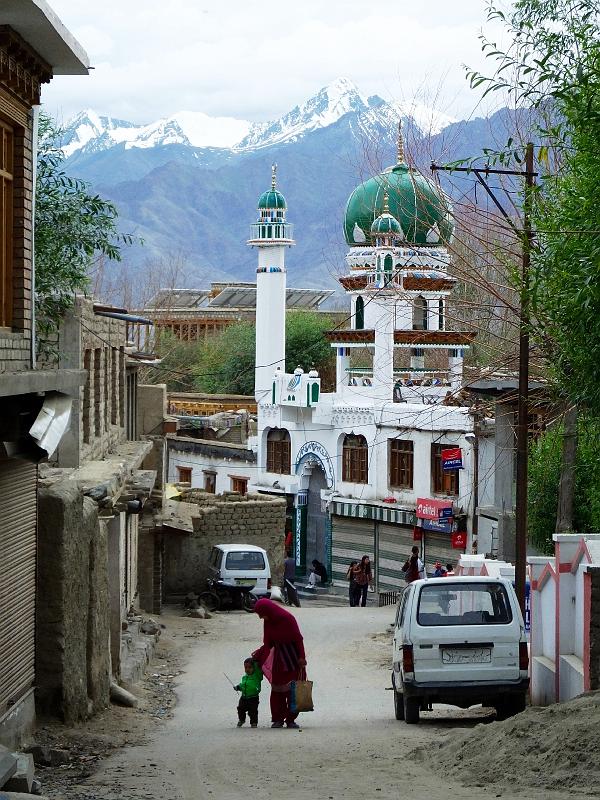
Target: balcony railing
<point>271,231</point>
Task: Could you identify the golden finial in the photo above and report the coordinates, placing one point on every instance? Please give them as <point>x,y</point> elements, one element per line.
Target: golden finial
<point>386,205</point>
<point>273,176</point>
<point>401,159</point>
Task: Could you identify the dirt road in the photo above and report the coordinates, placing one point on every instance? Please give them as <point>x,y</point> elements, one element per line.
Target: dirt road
<point>350,747</point>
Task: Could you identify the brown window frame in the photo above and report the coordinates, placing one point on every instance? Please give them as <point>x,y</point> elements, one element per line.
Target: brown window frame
<point>401,461</point>
<point>181,471</point>
<point>210,481</point>
<point>355,459</point>
<point>7,222</point>
<point>279,451</point>
<point>239,483</point>
<point>443,482</point>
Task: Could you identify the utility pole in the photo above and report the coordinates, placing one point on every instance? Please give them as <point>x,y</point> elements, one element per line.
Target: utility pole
<point>526,236</point>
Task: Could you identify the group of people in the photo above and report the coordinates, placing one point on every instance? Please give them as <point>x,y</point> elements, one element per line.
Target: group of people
<point>281,659</point>
<point>360,579</point>
<point>414,568</point>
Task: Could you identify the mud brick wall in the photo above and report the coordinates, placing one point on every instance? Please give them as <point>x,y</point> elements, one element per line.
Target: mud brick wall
<point>595,629</point>
<point>223,519</point>
<point>72,625</point>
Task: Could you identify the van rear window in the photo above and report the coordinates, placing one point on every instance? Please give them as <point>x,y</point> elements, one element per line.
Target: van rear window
<point>464,604</point>
<point>245,560</point>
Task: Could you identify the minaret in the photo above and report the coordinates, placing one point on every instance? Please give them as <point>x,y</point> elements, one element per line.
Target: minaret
<point>271,234</point>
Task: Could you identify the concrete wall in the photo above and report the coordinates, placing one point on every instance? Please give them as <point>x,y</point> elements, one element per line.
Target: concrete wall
<point>223,519</point>
<point>72,653</point>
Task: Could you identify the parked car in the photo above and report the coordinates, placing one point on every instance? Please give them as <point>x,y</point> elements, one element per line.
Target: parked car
<point>239,574</point>
<point>461,641</point>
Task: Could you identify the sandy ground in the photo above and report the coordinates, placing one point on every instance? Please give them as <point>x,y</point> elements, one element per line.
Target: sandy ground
<point>349,747</point>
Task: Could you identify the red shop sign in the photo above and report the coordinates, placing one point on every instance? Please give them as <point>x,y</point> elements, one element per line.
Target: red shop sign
<point>427,508</point>
<point>459,540</point>
<point>417,534</point>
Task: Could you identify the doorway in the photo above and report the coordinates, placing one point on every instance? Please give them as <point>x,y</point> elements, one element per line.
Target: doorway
<point>316,527</point>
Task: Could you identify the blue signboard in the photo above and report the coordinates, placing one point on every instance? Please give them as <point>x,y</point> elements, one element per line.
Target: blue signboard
<point>446,513</point>
<point>442,526</point>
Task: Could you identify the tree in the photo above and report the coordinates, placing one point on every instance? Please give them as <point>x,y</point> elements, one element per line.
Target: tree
<point>72,228</point>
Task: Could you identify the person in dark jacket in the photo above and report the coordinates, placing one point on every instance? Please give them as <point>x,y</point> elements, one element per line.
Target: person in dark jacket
<point>318,573</point>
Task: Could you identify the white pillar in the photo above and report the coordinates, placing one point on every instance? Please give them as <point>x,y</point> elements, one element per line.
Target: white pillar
<point>455,369</point>
<point>383,357</point>
<point>270,318</point>
<point>342,363</point>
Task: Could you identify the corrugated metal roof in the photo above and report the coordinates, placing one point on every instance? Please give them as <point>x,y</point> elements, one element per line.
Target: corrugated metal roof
<point>245,297</point>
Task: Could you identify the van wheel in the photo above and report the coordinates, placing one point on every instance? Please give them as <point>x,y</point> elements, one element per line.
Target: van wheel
<point>412,706</point>
<point>511,706</point>
<point>398,704</point>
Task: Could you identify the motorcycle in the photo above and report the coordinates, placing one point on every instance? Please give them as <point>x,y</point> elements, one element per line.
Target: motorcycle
<point>221,596</point>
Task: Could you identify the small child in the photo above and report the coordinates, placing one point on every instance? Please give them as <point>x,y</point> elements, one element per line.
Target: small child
<point>249,686</point>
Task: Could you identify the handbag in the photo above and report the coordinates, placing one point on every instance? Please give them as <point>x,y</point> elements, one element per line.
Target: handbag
<point>301,694</point>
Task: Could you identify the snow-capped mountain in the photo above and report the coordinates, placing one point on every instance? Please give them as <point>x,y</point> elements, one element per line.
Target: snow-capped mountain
<point>89,132</point>
<point>325,108</point>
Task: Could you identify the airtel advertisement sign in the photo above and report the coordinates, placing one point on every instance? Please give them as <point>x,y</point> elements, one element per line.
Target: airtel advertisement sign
<point>428,508</point>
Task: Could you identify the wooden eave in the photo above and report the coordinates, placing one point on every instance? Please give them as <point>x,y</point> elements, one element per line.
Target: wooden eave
<point>351,336</point>
<point>413,284</point>
<point>22,70</point>
<point>441,338</point>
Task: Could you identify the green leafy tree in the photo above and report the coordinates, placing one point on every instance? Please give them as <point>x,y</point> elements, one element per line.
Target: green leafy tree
<point>225,362</point>
<point>73,227</point>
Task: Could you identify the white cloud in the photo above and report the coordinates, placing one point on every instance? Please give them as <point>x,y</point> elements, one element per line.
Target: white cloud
<point>254,60</point>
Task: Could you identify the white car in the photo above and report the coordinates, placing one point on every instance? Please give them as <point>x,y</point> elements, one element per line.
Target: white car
<point>237,565</point>
<point>461,641</point>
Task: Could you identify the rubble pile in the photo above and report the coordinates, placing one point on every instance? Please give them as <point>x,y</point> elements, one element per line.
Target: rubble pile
<point>551,747</point>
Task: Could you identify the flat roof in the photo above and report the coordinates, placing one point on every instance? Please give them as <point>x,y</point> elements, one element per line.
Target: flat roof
<point>241,296</point>
<point>40,27</point>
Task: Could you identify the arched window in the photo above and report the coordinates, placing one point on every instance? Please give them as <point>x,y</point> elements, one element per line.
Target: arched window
<point>279,449</point>
<point>315,393</point>
<point>388,266</point>
<point>420,314</point>
<point>359,314</point>
<point>441,315</point>
<point>355,456</point>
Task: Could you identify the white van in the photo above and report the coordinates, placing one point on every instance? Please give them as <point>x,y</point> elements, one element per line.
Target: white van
<point>236,565</point>
<point>461,641</point>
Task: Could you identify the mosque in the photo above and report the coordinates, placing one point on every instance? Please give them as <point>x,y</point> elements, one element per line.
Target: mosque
<point>387,459</point>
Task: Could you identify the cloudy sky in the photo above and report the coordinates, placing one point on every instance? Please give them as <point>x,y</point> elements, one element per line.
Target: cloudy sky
<point>256,60</point>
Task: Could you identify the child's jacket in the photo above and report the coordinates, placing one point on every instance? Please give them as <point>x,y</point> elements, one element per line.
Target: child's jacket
<point>250,684</point>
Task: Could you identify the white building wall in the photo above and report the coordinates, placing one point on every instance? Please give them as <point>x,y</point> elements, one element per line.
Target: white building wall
<point>200,462</point>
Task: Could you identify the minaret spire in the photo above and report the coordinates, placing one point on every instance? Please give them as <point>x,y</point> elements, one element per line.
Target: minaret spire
<point>386,203</point>
<point>400,159</point>
<point>273,176</point>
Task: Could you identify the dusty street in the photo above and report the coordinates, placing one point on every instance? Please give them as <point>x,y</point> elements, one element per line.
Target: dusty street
<point>350,747</point>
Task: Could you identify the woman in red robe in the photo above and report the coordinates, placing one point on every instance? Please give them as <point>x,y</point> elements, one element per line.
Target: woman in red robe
<point>281,658</point>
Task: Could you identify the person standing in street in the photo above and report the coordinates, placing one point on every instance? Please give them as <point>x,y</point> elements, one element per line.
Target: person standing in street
<point>413,568</point>
<point>249,688</point>
<point>351,586</point>
<point>366,580</point>
<point>281,658</point>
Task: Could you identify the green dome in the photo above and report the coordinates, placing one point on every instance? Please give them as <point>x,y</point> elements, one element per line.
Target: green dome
<point>416,203</point>
<point>272,199</point>
<point>386,224</point>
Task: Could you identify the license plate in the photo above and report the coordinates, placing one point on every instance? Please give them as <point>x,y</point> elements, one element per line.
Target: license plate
<point>245,582</point>
<point>476,655</point>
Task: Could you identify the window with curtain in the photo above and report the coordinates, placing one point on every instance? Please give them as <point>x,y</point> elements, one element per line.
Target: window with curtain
<point>401,461</point>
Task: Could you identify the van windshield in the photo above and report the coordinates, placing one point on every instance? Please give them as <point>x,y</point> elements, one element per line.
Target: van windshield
<point>464,604</point>
<point>245,560</point>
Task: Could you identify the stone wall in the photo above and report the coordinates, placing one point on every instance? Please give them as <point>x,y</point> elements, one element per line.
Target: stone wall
<point>222,519</point>
<point>97,344</point>
<point>595,628</point>
<point>72,627</point>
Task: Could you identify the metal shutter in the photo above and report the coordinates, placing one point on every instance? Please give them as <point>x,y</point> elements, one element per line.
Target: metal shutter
<point>351,539</point>
<point>438,547</point>
<point>394,546</point>
<point>18,517</point>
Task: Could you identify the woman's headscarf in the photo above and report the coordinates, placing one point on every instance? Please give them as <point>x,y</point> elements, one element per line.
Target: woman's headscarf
<point>280,626</point>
